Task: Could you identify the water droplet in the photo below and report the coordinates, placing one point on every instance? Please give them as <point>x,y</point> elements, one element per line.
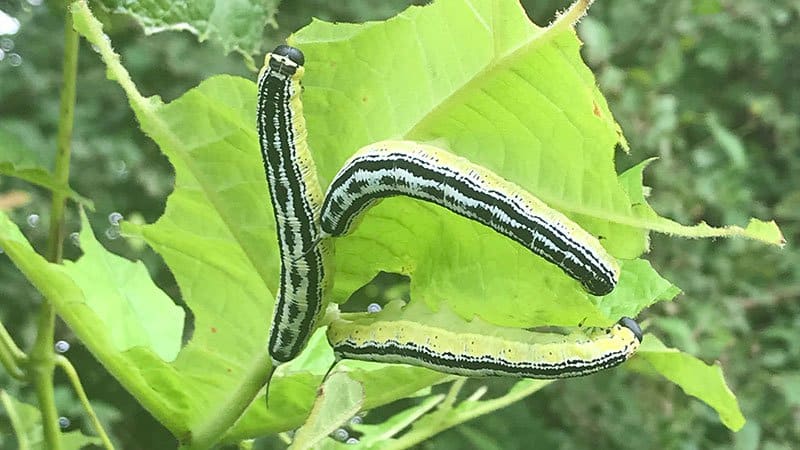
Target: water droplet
<point>112,233</point>
<point>64,422</point>
<point>341,435</point>
<point>2,54</point>
<point>62,346</point>
<point>33,220</point>
<point>356,420</point>
<point>6,44</point>
<point>120,168</point>
<point>14,59</point>
<point>114,218</point>
<point>34,2</point>
<point>351,440</point>
<point>373,308</point>
<point>75,238</point>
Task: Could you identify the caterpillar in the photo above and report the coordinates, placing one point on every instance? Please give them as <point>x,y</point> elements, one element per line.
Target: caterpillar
<point>425,172</point>
<point>432,340</point>
<point>296,201</point>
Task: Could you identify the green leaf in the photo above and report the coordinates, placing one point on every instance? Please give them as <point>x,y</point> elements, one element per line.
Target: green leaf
<point>137,313</point>
<point>19,161</point>
<point>695,377</point>
<point>236,24</point>
<point>479,78</point>
<point>640,286</point>
<point>339,400</point>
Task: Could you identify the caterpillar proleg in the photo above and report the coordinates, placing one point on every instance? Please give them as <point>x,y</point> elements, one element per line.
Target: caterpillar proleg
<point>443,342</point>
<point>424,172</point>
<point>296,200</point>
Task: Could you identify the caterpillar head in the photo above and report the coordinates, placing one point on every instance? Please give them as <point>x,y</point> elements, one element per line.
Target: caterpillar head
<point>286,60</point>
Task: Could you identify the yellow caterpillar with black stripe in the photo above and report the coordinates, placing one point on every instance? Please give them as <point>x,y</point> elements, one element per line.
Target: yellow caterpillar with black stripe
<point>443,342</point>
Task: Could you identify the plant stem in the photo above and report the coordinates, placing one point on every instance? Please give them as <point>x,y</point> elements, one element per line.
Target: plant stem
<point>209,432</point>
<point>72,374</point>
<point>453,417</point>
<point>452,394</point>
<point>11,357</point>
<point>42,361</point>
<point>16,423</point>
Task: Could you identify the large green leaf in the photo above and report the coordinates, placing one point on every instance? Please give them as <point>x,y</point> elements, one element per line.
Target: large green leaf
<point>481,79</point>
<point>236,24</point>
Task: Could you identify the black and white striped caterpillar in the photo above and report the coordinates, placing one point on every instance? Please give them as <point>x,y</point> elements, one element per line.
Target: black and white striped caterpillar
<point>425,172</point>
<point>296,200</point>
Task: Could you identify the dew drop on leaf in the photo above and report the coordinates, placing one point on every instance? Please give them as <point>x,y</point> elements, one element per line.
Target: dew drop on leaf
<point>120,168</point>
<point>112,233</point>
<point>373,308</point>
<point>114,218</point>
<point>62,346</point>
<point>14,59</point>
<point>340,435</point>
<point>64,422</point>
<point>75,238</point>
<point>33,220</point>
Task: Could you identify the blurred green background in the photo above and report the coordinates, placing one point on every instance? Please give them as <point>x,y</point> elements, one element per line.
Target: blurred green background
<point>710,87</point>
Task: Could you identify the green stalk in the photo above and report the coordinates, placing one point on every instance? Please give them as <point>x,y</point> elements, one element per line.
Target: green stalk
<point>209,432</point>
<point>11,357</point>
<point>42,361</point>
<point>17,424</point>
<point>449,418</point>
<point>72,374</point>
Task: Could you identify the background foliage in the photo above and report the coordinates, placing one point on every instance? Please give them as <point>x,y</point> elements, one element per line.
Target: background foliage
<point>706,86</point>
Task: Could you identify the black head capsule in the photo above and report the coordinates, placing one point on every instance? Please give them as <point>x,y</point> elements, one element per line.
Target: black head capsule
<point>631,324</point>
<point>286,59</point>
